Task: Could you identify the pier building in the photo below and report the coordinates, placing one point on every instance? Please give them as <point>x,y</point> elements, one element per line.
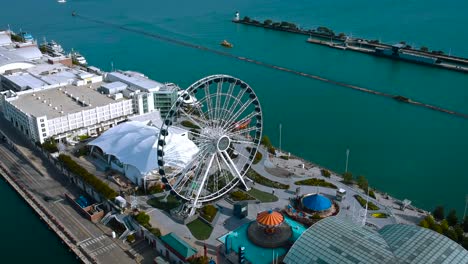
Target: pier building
<point>131,148</point>
<point>338,240</point>
<point>147,95</point>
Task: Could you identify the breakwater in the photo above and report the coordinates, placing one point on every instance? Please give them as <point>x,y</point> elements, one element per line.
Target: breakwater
<point>271,66</point>
<point>401,51</point>
<point>47,217</point>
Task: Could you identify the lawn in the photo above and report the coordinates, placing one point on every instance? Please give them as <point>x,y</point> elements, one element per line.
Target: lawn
<point>262,196</point>
<point>208,212</point>
<point>171,203</point>
<point>316,182</point>
<point>199,229</point>
<point>240,196</point>
<point>362,202</point>
<point>379,215</point>
<point>253,175</point>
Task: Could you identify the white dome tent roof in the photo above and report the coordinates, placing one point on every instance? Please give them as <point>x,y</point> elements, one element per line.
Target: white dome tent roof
<point>135,143</point>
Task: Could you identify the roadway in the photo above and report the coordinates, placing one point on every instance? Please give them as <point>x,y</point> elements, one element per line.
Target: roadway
<point>48,185</point>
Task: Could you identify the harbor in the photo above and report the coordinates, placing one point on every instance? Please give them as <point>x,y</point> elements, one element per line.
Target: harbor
<point>400,51</point>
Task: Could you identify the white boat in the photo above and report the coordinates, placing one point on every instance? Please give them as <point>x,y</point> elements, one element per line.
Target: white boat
<point>77,58</point>
<point>61,1</point>
<point>52,47</point>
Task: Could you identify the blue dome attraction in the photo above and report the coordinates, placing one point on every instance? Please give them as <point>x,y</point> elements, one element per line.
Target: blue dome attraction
<point>316,202</point>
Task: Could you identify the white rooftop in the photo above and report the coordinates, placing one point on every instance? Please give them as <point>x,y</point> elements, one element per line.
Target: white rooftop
<point>135,143</point>
<point>5,38</point>
<point>136,80</point>
<point>31,104</point>
<point>25,80</point>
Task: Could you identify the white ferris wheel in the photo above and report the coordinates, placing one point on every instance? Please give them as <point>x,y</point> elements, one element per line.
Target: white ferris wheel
<point>223,118</point>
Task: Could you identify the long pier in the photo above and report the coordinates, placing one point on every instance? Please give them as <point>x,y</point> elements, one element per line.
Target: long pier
<point>46,217</point>
<point>271,66</point>
<point>447,62</point>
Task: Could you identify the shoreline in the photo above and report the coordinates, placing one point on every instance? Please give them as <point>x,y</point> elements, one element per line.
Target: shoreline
<point>354,186</point>
<point>46,217</point>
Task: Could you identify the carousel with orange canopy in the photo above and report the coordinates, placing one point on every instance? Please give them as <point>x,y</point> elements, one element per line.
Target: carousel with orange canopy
<point>269,230</point>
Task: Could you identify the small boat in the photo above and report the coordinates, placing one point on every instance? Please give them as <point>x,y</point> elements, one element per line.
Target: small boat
<point>226,44</point>
<point>61,1</point>
<point>77,58</point>
<point>52,47</point>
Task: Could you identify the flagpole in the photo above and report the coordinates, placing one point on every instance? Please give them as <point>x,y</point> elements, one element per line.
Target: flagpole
<point>280,128</point>
<point>347,157</point>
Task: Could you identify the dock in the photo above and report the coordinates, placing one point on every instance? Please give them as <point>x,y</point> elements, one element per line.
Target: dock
<point>399,52</point>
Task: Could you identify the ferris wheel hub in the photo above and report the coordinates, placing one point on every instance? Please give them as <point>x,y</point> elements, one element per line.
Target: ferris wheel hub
<point>223,143</point>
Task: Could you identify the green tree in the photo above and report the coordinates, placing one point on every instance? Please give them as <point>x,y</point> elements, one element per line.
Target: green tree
<point>267,22</point>
<point>437,228</point>
<point>459,231</point>
<point>266,141</point>
<point>439,213</point>
<point>347,177</point>
<point>341,35</point>
<point>450,233</point>
<point>142,218</point>
<point>246,19</point>
<point>424,223</point>
<point>444,225</point>
<point>363,183</point>
<point>465,224</point>
<point>452,218</point>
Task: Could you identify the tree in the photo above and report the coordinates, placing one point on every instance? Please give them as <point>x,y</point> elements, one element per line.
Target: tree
<point>444,225</point>
<point>341,35</point>
<point>450,233</point>
<point>347,177</point>
<point>265,141</point>
<point>424,48</point>
<point>437,228</point>
<point>363,183</point>
<point>424,223</point>
<point>246,19</point>
<point>465,243</point>
<point>439,213</point>
<point>452,218</point>
<point>142,218</point>
<point>465,224</point>
<point>267,22</point>
<point>459,231</point>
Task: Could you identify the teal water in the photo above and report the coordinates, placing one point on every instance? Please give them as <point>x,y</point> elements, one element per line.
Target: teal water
<point>406,151</point>
<point>25,239</point>
<point>254,253</point>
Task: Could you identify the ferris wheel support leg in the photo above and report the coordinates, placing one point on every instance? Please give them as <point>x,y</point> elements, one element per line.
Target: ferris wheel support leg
<point>234,168</point>
<point>200,188</point>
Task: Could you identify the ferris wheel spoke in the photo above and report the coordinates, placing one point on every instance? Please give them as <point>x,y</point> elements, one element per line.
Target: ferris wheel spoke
<point>235,104</point>
<point>200,187</point>
<point>243,142</point>
<point>227,100</point>
<point>232,167</point>
<point>219,88</point>
<point>208,102</point>
<point>242,131</point>
<point>244,120</point>
<point>200,111</point>
<point>236,115</point>
<point>239,153</point>
<point>191,118</point>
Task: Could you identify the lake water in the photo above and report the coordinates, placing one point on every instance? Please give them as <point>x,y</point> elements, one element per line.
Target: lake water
<point>407,151</point>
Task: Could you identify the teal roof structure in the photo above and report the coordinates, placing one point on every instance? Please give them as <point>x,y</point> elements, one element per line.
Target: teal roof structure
<point>338,240</point>
<point>184,249</point>
<point>316,202</point>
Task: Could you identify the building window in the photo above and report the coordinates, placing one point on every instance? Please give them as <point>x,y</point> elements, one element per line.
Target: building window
<point>41,120</point>
<point>42,125</point>
<point>43,130</point>
<point>44,134</point>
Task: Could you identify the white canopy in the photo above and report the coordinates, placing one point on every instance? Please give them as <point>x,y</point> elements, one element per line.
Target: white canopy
<point>135,143</point>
